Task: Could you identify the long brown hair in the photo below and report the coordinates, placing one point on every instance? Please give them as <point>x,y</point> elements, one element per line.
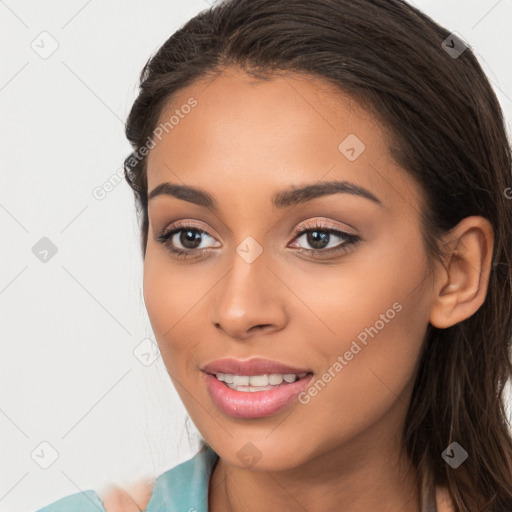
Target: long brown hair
<point>447,130</point>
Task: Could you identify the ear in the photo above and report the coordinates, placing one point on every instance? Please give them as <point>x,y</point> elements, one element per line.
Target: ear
<point>462,281</point>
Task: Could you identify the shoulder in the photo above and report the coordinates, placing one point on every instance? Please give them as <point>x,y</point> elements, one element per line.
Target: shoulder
<point>444,500</point>
<point>173,488</point>
<point>133,499</point>
<point>111,499</point>
<point>85,501</point>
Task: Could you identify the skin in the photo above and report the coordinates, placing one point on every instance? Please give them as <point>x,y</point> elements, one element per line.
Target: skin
<point>244,141</point>
<point>134,499</point>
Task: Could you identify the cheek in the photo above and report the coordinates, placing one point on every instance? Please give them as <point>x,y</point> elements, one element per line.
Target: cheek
<point>380,290</point>
<point>174,300</point>
<point>369,372</point>
<point>377,314</point>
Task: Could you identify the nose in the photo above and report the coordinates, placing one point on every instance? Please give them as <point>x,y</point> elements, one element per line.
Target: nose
<point>249,300</point>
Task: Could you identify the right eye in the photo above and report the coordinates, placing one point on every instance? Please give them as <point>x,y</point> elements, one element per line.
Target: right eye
<point>185,235</point>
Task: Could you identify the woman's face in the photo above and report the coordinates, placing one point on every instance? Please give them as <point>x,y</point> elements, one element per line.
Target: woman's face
<point>352,315</point>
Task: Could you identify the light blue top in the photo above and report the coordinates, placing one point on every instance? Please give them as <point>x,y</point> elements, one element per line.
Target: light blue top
<point>182,488</point>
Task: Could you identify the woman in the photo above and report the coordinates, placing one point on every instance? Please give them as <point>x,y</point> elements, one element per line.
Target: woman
<point>324,190</point>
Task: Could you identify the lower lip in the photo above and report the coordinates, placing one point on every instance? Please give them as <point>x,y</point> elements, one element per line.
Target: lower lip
<point>254,404</point>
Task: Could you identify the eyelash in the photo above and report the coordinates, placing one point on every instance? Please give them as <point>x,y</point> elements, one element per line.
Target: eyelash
<point>350,239</point>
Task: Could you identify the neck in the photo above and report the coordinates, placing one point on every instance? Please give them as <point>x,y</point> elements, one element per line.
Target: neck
<point>370,471</point>
<point>360,479</point>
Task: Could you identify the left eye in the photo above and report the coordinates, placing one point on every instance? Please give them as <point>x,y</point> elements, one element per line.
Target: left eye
<point>320,239</point>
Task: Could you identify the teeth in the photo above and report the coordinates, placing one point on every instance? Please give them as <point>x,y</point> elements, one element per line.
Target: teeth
<point>241,380</point>
<point>257,382</point>
<point>252,389</point>
<point>275,379</point>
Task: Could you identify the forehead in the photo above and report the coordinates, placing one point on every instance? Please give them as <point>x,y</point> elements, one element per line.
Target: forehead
<point>289,128</point>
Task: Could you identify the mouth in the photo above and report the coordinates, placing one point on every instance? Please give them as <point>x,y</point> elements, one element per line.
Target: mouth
<point>258,383</point>
<point>255,396</point>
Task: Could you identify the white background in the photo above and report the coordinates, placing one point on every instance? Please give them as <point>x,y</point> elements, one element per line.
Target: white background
<point>69,326</point>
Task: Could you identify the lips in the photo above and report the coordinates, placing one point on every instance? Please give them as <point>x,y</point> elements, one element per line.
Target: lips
<point>257,404</point>
<point>254,366</point>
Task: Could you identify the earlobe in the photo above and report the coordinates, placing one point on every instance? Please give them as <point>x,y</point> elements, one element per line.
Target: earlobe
<point>461,285</point>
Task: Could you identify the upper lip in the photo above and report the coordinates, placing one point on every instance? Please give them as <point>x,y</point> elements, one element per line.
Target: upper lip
<point>254,366</point>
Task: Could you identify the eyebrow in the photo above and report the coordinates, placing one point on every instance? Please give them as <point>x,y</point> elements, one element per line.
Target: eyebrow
<point>283,199</point>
